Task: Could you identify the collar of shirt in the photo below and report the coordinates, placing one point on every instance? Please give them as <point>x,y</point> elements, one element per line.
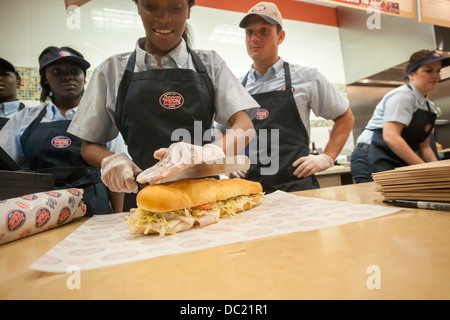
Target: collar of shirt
<point>53,113</point>
<point>274,71</point>
<point>8,108</point>
<point>420,98</point>
<point>177,58</point>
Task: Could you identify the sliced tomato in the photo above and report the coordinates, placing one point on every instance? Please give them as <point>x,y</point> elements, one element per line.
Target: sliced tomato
<point>203,206</point>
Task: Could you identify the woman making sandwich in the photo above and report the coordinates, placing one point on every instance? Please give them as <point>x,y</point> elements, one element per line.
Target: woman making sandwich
<point>37,137</point>
<point>398,134</point>
<point>147,95</point>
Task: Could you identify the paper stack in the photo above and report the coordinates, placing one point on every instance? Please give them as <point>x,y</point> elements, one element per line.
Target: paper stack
<point>423,182</point>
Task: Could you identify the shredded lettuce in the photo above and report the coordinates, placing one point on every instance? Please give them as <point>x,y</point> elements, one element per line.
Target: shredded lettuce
<point>158,220</point>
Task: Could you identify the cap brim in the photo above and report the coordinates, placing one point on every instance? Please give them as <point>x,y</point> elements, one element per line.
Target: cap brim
<point>243,22</point>
<point>77,60</point>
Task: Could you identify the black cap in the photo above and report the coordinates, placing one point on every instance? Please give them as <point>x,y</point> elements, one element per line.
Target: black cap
<point>62,54</point>
<point>8,65</point>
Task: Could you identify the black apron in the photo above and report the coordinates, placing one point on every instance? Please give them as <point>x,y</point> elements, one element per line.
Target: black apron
<point>279,111</point>
<point>49,148</point>
<point>382,158</point>
<point>152,104</point>
<point>4,120</point>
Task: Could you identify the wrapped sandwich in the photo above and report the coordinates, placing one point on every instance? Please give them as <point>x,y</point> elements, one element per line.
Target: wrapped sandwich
<point>177,206</point>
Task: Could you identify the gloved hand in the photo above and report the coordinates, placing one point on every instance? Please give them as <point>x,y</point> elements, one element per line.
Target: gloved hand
<point>118,173</point>
<point>309,165</point>
<point>177,157</point>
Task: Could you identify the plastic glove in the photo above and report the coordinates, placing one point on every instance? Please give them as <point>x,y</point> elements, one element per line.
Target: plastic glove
<point>118,173</point>
<point>309,165</point>
<point>177,157</point>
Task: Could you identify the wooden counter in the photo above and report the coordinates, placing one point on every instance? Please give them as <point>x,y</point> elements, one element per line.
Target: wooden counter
<point>407,254</point>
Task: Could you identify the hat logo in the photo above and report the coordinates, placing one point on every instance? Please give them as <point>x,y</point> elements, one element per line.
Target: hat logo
<point>437,55</point>
<point>259,8</point>
<point>64,53</point>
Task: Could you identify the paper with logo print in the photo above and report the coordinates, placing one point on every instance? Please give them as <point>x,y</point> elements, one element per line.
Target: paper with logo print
<point>105,240</point>
<point>23,216</point>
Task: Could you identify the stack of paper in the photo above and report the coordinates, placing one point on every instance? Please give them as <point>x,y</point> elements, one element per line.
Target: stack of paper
<point>425,182</point>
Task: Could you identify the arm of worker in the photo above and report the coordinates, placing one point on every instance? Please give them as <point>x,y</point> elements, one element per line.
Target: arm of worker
<point>392,136</point>
<point>238,136</point>
<point>117,168</point>
<point>311,164</point>
<point>426,152</point>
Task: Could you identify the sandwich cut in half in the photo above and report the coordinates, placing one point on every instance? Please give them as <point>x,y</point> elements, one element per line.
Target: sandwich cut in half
<point>176,206</point>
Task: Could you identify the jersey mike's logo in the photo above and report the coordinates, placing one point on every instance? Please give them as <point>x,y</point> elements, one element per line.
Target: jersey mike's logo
<point>43,216</point>
<point>171,100</point>
<point>262,114</point>
<point>61,142</point>
<point>15,219</point>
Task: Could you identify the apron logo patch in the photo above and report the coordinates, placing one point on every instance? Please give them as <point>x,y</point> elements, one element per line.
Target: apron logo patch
<point>262,114</point>
<point>171,100</point>
<point>61,142</point>
<point>428,127</point>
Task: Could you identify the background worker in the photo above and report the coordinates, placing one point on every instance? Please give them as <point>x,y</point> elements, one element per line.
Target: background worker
<point>10,82</point>
<point>37,138</point>
<point>398,134</point>
<point>287,93</point>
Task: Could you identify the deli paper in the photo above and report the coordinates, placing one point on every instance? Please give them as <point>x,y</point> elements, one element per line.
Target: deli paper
<point>106,240</point>
<point>37,212</point>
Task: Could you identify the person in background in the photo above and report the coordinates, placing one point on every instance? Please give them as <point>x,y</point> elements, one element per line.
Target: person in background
<point>10,82</point>
<point>398,134</point>
<point>150,94</point>
<point>37,137</point>
<point>287,94</point>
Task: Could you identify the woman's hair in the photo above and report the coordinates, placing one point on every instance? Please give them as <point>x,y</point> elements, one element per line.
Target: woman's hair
<point>187,32</point>
<point>416,56</point>
<point>46,90</point>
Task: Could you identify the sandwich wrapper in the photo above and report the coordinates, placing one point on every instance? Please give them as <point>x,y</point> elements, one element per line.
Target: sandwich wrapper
<point>23,216</point>
<point>105,240</point>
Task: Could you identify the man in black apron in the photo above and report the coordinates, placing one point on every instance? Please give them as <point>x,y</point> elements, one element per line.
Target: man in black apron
<point>279,112</point>
<point>10,82</point>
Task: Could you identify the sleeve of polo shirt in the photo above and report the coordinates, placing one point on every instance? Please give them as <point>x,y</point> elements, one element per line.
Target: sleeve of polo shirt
<point>230,95</point>
<point>327,101</point>
<point>11,133</point>
<point>399,107</point>
<point>94,120</point>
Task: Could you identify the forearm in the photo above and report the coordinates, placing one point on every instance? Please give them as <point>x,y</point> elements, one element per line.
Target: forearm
<point>394,140</point>
<point>94,153</point>
<point>340,132</point>
<point>238,136</point>
<point>426,153</point>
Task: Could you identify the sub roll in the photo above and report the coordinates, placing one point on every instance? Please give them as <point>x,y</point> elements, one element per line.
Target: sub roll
<point>177,206</point>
